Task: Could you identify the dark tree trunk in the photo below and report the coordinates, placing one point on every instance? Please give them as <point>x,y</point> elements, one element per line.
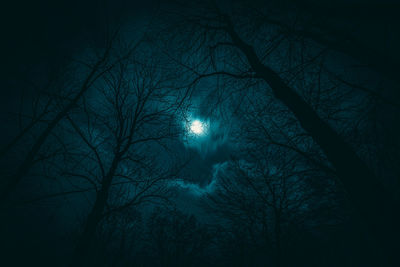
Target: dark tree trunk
<point>278,240</point>
<point>81,251</point>
<point>364,189</point>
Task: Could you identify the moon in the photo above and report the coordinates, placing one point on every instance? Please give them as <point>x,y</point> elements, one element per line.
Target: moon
<point>197,127</point>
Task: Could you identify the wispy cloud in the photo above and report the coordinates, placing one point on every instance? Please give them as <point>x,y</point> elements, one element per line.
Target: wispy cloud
<point>198,190</point>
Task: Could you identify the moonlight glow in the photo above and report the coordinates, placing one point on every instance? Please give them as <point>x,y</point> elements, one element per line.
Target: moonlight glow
<point>197,127</point>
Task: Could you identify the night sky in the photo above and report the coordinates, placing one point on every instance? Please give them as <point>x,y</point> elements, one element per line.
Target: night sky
<point>199,133</point>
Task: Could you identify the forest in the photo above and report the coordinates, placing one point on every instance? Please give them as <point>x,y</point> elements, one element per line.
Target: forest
<point>200,133</point>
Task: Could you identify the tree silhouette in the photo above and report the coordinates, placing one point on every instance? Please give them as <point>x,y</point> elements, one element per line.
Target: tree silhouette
<point>121,131</point>
<point>96,70</point>
<point>235,50</point>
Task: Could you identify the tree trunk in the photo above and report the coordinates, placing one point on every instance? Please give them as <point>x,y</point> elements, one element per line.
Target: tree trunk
<point>81,251</point>
<point>368,195</point>
<point>277,230</point>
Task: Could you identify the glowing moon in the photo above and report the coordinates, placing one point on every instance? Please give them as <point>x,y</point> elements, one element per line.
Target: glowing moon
<point>197,127</point>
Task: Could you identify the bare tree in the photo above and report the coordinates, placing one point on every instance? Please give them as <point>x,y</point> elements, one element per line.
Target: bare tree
<point>64,105</point>
<point>264,192</point>
<point>122,130</point>
<point>177,239</point>
<point>236,48</point>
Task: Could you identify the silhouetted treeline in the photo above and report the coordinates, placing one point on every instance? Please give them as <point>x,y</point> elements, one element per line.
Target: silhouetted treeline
<point>297,164</point>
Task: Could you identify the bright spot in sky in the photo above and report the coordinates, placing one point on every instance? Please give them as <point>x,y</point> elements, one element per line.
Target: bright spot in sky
<point>197,127</point>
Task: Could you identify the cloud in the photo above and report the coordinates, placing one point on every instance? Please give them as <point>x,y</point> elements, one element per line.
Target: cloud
<point>198,190</point>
